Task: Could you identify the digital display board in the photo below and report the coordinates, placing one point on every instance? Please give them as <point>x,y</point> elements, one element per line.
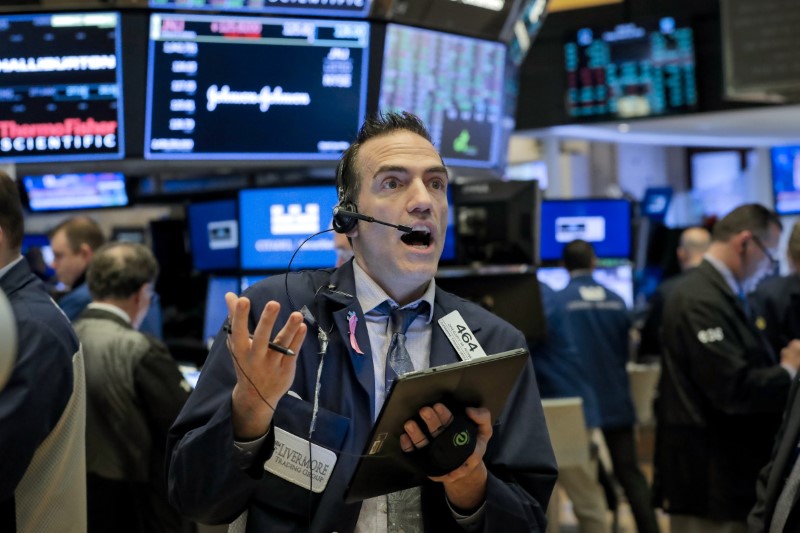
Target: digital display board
<point>786,179</point>
<point>214,235</point>
<point>223,87</point>
<point>60,87</point>
<point>274,222</point>
<point>53,192</point>
<point>631,70</point>
<point>617,278</point>
<point>326,8</point>
<point>454,84</point>
<point>603,223</point>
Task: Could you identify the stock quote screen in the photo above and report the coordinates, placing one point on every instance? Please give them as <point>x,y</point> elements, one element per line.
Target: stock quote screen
<point>325,8</point>
<point>60,87</point>
<point>462,104</point>
<point>224,87</point>
<point>631,70</point>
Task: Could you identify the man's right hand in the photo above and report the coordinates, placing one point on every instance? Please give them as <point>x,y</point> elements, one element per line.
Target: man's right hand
<point>263,375</point>
<point>790,354</point>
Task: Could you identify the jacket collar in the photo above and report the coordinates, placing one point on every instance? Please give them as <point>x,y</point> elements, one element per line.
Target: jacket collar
<point>17,277</point>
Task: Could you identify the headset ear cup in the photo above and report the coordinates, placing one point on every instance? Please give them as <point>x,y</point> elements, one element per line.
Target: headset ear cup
<point>343,223</point>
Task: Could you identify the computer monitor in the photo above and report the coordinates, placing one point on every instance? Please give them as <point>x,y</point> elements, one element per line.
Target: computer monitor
<point>323,8</point>
<point>497,222</point>
<point>36,248</point>
<point>214,234</point>
<point>631,70</point>
<point>274,222</point>
<point>251,279</point>
<point>216,308</point>
<point>55,192</point>
<point>60,87</point>
<point>603,222</point>
<point>655,202</point>
<point>462,104</point>
<point>615,277</point>
<point>254,88</point>
<point>786,179</point>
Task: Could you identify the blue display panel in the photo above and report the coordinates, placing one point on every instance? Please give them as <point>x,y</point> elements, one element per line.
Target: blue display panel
<point>454,84</point>
<point>337,8</point>
<point>618,278</point>
<point>60,87</point>
<point>631,70</point>
<point>214,235</point>
<point>225,87</point>
<point>655,202</point>
<point>449,249</point>
<point>786,179</point>
<point>274,222</point>
<point>55,192</point>
<point>605,223</point>
<point>216,308</point>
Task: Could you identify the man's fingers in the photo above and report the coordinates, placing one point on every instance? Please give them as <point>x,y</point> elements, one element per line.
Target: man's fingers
<point>264,327</point>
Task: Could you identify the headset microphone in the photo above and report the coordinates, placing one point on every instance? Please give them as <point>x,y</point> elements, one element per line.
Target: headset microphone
<point>343,214</point>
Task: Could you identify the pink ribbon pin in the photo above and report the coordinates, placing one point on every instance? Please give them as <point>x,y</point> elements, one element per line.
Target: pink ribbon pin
<point>352,319</point>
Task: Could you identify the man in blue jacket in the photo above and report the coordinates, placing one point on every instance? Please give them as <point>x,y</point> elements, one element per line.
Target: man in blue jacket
<point>251,400</point>
<point>600,325</point>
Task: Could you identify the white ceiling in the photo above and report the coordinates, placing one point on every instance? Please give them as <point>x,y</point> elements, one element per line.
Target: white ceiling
<point>765,126</point>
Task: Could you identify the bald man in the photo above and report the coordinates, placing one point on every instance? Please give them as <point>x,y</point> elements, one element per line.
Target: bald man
<point>693,243</point>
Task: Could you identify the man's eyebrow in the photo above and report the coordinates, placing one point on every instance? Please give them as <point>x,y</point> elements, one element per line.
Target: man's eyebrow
<point>403,170</point>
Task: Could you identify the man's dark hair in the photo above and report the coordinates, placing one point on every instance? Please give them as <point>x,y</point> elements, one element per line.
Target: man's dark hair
<point>348,182</point>
<point>11,219</point>
<point>747,217</point>
<point>578,255</point>
<point>119,269</point>
<point>80,230</point>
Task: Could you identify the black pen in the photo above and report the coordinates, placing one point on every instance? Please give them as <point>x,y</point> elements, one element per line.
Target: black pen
<point>272,345</point>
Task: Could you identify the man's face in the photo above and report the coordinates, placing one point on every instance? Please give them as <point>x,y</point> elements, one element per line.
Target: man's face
<point>69,265</point>
<point>403,181</point>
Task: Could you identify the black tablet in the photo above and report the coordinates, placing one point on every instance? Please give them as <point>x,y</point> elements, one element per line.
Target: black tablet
<point>481,382</point>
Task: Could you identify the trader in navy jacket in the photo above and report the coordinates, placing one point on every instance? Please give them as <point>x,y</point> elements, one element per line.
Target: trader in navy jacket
<point>251,400</point>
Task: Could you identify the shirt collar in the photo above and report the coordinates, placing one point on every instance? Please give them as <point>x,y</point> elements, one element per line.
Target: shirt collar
<point>370,295</point>
<point>12,264</point>
<point>725,272</point>
<point>113,309</point>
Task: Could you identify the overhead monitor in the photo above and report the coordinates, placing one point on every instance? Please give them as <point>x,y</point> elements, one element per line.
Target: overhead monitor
<point>630,70</point>
<point>227,87</point>
<point>216,309</point>
<point>214,235</point>
<point>603,222</point>
<point>324,8</point>
<point>60,87</point>
<point>497,222</point>
<point>454,84</point>
<point>56,192</point>
<point>786,179</point>
<point>617,278</point>
<point>274,222</point>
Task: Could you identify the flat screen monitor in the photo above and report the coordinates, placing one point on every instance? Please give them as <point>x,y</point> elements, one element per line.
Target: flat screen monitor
<point>617,278</point>
<point>214,235</point>
<point>274,222</point>
<point>497,222</point>
<point>55,192</point>
<point>226,87</point>
<point>60,87</point>
<point>251,279</point>
<point>786,179</point>
<point>604,223</point>
<point>337,8</point>
<point>454,84</point>
<point>630,70</point>
<point>36,249</point>
<point>216,308</point>
<point>655,202</point>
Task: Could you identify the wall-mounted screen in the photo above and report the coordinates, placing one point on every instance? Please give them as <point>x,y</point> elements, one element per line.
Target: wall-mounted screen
<point>786,179</point>
<point>60,87</point>
<point>604,223</point>
<point>631,70</point>
<point>54,192</point>
<point>274,222</point>
<point>617,278</point>
<point>216,309</point>
<point>336,8</point>
<point>224,87</point>
<point>214,235</point>
<point>455,84</point>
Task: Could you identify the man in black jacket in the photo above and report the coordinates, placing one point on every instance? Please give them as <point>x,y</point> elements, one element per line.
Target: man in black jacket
<point>722,390</point>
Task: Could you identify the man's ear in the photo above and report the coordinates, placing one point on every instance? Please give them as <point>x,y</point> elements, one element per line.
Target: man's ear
<point>86,252</point>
